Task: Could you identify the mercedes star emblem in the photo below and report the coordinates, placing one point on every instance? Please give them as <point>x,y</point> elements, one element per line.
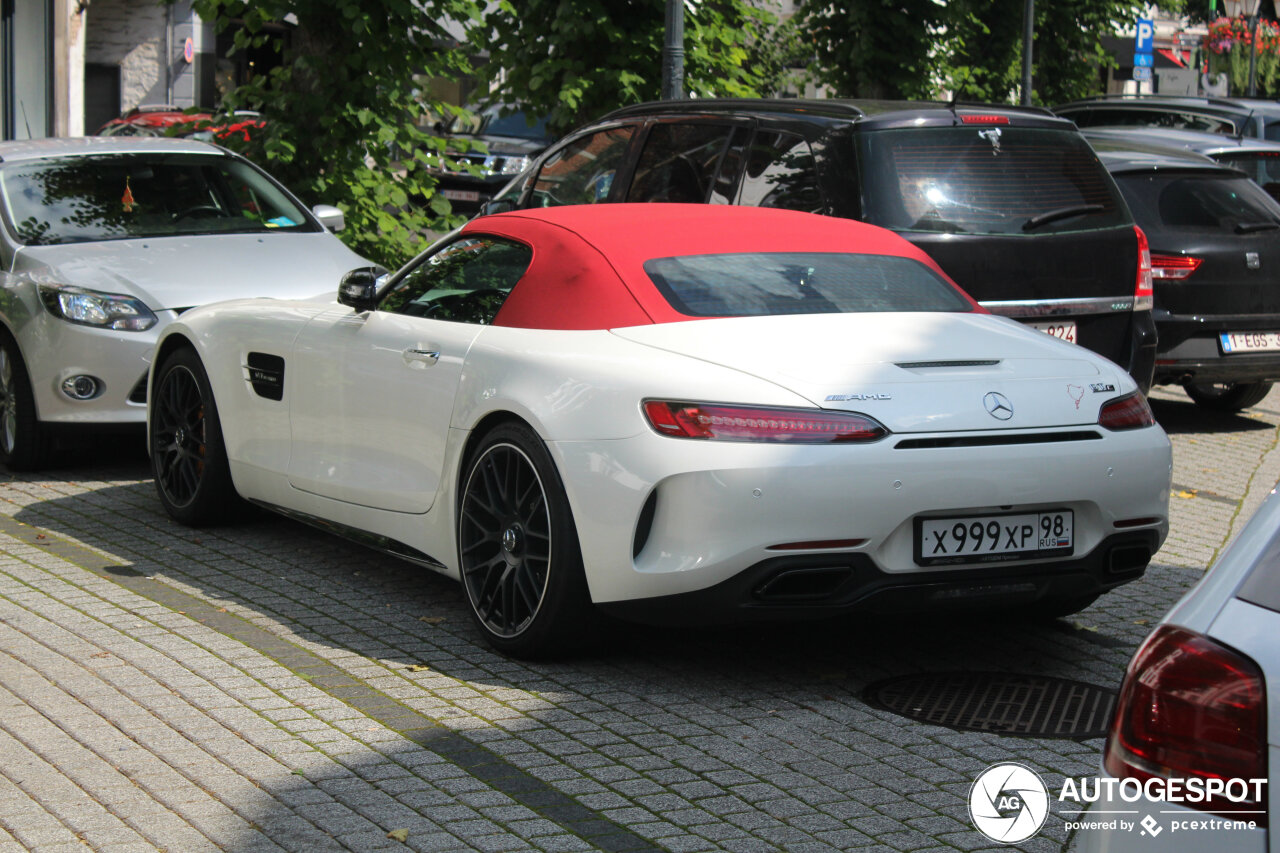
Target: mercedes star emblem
<point>998,405</point>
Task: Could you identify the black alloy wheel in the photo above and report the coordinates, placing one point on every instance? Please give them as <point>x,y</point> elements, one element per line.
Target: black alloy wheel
<point>1228,396</point>
<point>518,548</point>
<point>188,458</point>
<point>23,443</point>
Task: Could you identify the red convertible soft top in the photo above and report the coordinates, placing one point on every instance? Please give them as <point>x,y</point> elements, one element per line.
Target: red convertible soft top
<point>588,261</point>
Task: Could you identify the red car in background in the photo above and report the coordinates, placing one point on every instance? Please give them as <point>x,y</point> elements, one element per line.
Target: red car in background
<point>168,120</point>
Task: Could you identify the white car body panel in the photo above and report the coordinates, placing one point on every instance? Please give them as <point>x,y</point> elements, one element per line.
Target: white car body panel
<point>369,448</point>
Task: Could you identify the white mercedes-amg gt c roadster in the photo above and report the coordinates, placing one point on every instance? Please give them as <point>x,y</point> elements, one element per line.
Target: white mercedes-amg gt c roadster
<point>671,413</point>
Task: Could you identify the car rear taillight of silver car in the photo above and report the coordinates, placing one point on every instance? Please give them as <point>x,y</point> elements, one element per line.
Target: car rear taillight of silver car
<point>1193,710</point>
<point>1143,293</point>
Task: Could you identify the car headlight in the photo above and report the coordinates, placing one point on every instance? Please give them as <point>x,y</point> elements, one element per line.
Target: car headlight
<point>92,308</point>
<point>514,165</point>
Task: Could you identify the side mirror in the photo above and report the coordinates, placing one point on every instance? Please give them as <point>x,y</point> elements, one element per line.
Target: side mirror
<point>359,288</point>
<point>330,217</point>
<point>497,205</point>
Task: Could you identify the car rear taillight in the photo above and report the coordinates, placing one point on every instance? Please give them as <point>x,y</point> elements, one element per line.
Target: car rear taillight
<point>1173,267</point>
<point>1143,295</point>
<point>1191,708</point>
<point>1128,412</point>
<point>984,119</point>
<point>751,423</point>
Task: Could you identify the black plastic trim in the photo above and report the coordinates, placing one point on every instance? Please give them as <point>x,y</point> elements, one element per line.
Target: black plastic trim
<point>853,583</point>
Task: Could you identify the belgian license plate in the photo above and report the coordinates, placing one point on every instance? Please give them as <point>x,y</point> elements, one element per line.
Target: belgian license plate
<point>1065,330</point>
<point>1250,341</point>
<point>461,195</point>
<point>992,538</point>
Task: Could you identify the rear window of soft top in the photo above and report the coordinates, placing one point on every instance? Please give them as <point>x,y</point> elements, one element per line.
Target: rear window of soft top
<point>770,283</point>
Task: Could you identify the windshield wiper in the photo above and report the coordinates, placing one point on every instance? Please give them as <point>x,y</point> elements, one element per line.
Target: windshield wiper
<point>1250,227</point>
<point>1061,213</point>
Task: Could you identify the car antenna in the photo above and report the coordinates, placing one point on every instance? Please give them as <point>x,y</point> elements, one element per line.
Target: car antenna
<point>1240,133</point>
<point>955,96</point>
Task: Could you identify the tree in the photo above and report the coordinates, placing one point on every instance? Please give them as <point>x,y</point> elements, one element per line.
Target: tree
<point>874,48</point>
<point>973,48</point>
<point>342,111</point>
<point>574,60</point>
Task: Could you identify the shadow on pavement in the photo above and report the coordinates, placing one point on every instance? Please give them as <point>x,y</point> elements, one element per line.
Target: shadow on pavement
<point>1186,418</point>
<point>781,687</point>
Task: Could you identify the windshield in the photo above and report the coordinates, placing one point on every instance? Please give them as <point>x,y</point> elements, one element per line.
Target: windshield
<point>985,180</point>
<point>119,196</point>
<point>759,283</point>
<point>502,121</point>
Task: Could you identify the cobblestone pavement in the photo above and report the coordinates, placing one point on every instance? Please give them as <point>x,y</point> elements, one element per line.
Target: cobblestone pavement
<point>267,687</point>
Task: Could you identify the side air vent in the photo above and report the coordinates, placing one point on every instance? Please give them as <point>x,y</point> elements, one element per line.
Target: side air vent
<point>266,375</point>
<point>138,395</point>
<point>996,440</point>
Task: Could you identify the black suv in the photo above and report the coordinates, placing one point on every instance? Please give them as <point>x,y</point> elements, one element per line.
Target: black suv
<point>1215,247</point>
<point>1012,203</point>
<point>510,139</point>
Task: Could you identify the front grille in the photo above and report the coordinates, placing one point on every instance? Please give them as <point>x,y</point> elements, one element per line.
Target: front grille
<point>997,440</point>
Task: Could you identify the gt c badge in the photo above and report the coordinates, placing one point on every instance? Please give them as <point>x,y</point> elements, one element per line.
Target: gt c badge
<point>843,398</point>
<point>998,406</point>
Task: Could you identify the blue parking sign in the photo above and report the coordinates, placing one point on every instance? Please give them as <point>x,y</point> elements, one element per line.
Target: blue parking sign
<point>1143,59</point>
<point>1145,39</point>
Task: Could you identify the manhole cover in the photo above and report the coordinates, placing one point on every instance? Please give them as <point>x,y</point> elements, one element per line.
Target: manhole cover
<point>1008,703</point>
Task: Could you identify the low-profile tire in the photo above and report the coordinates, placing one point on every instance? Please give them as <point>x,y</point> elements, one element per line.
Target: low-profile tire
<point>24,443</point>
<point>1228,396</point>
<point>188,457</point>
<point>518,550</point>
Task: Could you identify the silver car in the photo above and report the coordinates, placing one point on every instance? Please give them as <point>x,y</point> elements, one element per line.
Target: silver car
<point>104,242</point>
<point>1195,740</point>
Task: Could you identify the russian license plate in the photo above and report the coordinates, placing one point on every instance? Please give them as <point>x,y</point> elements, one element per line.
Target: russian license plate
<point>1065,330</point>
<point>1250,341</point>
<point>991,538</point>
<point>461,195</point>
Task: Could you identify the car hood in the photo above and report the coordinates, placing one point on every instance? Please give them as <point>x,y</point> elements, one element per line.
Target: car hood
<point>919,372</point>
<point>182,272</point>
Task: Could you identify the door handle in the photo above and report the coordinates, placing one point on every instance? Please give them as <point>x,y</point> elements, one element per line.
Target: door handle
<point>422,356</point>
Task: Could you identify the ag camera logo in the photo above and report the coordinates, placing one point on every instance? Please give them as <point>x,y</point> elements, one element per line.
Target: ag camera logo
<point>1008,803</point>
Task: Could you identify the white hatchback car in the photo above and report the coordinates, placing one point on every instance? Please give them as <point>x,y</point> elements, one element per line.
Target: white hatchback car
<point>104,242</point>
<point>1199,715</point>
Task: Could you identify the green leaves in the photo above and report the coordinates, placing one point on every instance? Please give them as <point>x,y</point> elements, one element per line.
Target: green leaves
<point>922,49</point>
<point>575,60</point>
<point>347,111</point>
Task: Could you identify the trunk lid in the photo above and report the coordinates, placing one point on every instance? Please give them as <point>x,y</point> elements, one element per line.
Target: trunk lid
<point>924,372</point>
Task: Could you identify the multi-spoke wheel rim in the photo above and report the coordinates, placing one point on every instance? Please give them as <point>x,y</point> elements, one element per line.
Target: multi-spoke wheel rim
<point>178,436</point>
<point>504,540</point>
<point>8,404</point>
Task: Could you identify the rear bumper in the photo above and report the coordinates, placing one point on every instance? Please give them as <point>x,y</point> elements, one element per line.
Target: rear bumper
<point>817,586</point>
<point>1190,352</point>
